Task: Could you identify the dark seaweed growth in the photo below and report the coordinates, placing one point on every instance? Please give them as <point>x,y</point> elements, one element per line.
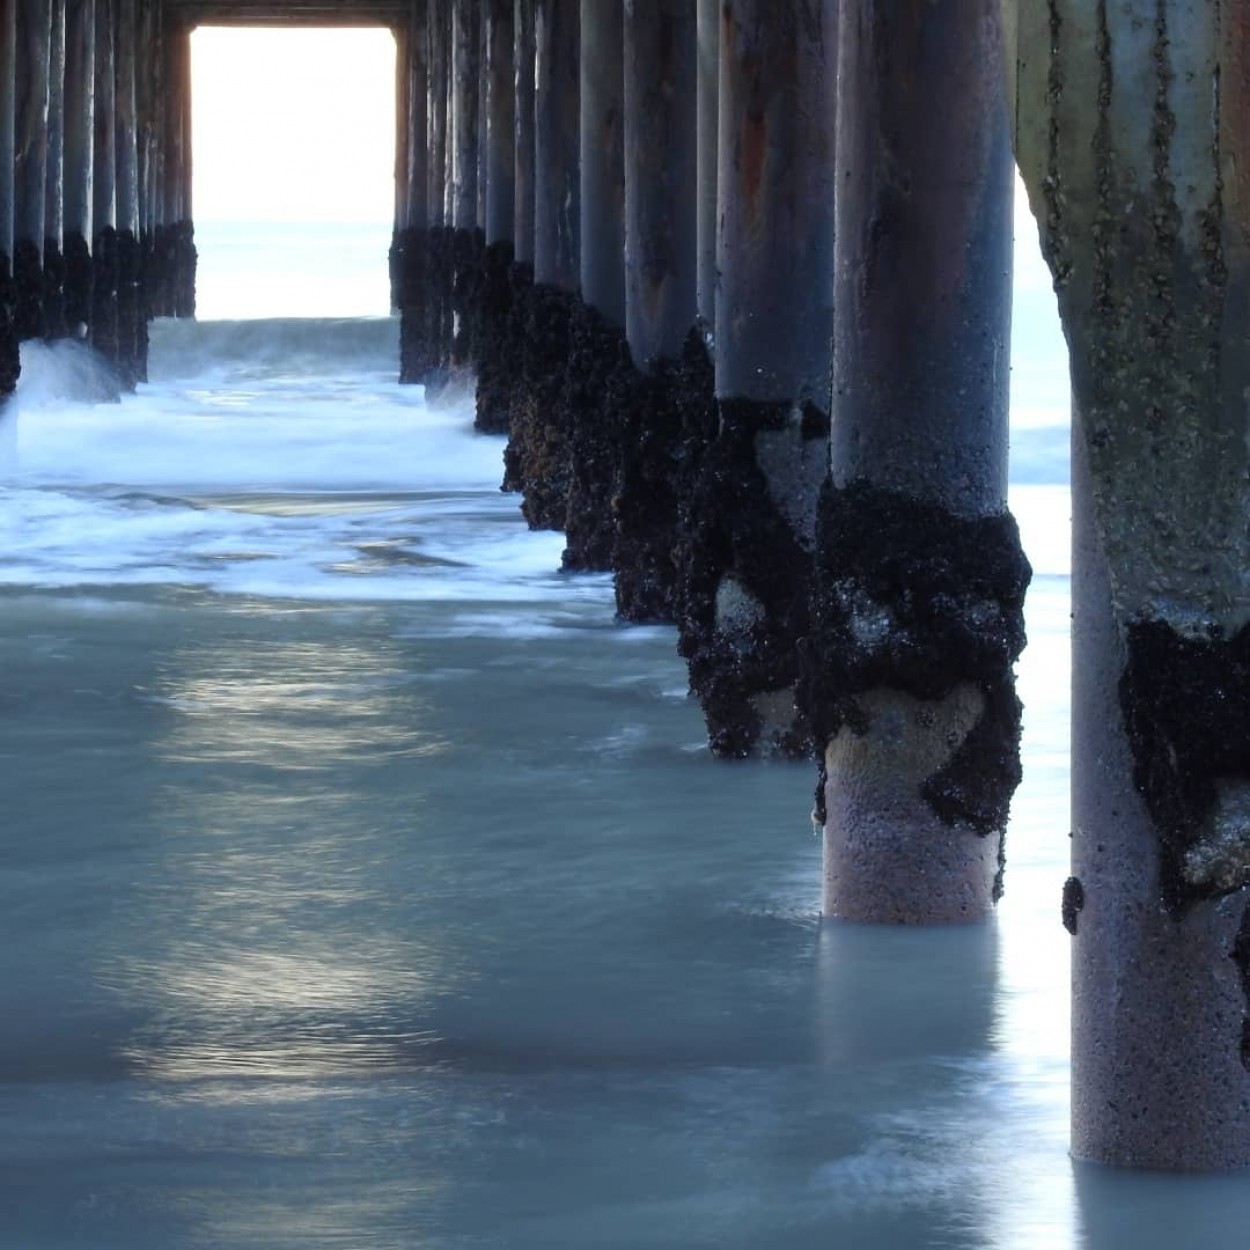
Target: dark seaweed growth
<point>53,298</point>
<point>184,269</point>
<point>501,344</point>
<point>10,354</point>
<point>910,597</point>
<point>78,283</point>
<point>737,530</point>
<point>1186,706</point>
<point>132,338</point>
<point>28,282</point>
<point>467,248</point>
<point>103,326</point>
<point>667,420</point>
<point>410,267</point>
<point>1073,902</point>
<point>1240,955</point>
<point>536,460</point>
<point>598,358</point>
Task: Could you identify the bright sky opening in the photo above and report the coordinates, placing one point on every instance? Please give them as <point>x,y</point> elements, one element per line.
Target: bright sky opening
<point>293,125</point>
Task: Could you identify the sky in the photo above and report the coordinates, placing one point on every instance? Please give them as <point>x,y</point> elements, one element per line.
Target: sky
<point>293,125</point>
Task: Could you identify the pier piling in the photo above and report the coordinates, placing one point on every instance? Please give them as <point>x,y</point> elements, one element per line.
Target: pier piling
<point>10,354</point>
<point>753,535</point>
<point>537,460</point>
<point>920,575</point>
<point>597,357</point>
<point>79,115</point>
<point>665,411</point>
<point>1137,175</point>
<point>34,34</point>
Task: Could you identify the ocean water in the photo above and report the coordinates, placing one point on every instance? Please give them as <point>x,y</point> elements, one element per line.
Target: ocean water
<point>364,884</point>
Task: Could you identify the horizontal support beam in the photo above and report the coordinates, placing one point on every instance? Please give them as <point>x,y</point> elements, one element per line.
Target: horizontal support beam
<point>289,13</point>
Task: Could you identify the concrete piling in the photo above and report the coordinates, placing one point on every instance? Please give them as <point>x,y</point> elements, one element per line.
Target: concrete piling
<point>499,358</point>
<point>537,458</point>
<point>131,345</point>
<point>1144,224</point>
<point>467,241</point>
<point>507,292</point>
<point>10,359</point>
<point>709,139</point>
<point>411,247</point>
<point>918,617</point>
<point>104,262</point>
<point>597,355</point>
<point>180,225</point>
<point>666,411</point>
<point>754,507</point>
<point>53,295</point>
<point>34,31</point>
<point>79,122</point>
<point>439,267</point>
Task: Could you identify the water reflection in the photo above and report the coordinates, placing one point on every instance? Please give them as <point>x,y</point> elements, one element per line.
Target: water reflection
<point>269,945</point>
<point>1156,1211</point>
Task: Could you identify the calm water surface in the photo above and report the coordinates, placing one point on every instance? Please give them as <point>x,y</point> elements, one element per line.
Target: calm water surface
<point>364,884</point>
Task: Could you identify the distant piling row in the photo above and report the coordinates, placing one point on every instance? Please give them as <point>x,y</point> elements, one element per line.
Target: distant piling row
<point>95,177</point>
<point>649,306</point>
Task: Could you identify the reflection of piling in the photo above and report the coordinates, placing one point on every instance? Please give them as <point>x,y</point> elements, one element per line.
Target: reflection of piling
<point>536,461</point>
<point>597,356</point>
<point>664,410</point>
<point>1144,229</point>
<point>920,571</point>
<point>750,559</point>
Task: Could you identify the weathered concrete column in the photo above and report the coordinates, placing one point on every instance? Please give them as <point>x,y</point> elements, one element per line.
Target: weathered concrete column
<point>597,354</point>
<point>53,298</point>
<point>403,144</point>
<point>504,399</point>
<point>601,156</point>
<point>78,163</point>
<point>744,601</point>
<point>498,362</point>
<point>524,56</point>
<point>920,578</point>
<point>130,359</point>
<point>483,91</point>
<point>103,332</point>
<point>149,105</point>
<point>1134,141</point>
<point>708,155</point>
<point>10,364</point>
<point>428,364</point>
<point>34,30</point>
<point>467,243</point>
<point>536,461</point>
<point>557,144</point>
<point>413,242</point>
<point>666,415</point>
<point>180,262</point>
